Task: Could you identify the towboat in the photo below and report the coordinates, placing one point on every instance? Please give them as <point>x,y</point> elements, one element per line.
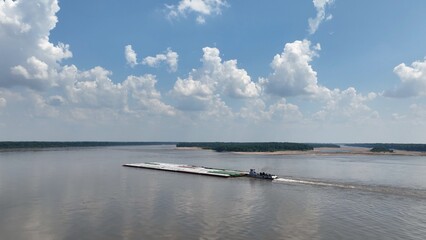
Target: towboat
<point>261,175</point>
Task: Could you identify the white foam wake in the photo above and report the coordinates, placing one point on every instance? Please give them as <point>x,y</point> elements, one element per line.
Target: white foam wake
<point>362,187</point>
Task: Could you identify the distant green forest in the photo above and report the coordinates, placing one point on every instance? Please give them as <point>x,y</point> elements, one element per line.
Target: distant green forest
<point>395,146</point>
<point>381,149</point>
<point>254,146</point>
<point>217,146</point>
<point>323,145</point>
<point>41,144</point>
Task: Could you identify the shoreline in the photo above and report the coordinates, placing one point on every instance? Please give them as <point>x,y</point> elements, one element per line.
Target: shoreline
<point>326,152</point>
<point>190,148</point>
<point>339,151</point>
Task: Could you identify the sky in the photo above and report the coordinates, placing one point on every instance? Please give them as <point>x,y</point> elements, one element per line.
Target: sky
<point>213,70</point>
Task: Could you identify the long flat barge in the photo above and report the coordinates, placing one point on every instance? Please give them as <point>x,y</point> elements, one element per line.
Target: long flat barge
<point>216,172</point>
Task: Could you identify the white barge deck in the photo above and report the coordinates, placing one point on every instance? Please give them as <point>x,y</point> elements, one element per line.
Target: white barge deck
<point>189,169</point>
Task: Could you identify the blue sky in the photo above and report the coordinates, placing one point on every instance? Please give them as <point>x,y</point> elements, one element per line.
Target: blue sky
<point>213,70</point>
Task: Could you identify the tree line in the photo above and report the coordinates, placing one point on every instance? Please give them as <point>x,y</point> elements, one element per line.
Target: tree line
<point>395,146</point>
<point>42,144</point>
<point>248,146</point>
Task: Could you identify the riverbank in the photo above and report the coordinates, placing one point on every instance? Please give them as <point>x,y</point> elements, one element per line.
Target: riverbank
<point>325,152</point>
<point>338,151</point>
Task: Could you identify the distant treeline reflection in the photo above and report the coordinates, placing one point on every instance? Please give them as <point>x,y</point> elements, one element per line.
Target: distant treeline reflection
<point>255,146</point>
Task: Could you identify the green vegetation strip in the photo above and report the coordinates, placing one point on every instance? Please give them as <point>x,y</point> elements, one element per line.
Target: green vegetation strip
<point>248,146</point>
<point>381,149</point>
<point>41,144</point>
<point>396,146</point>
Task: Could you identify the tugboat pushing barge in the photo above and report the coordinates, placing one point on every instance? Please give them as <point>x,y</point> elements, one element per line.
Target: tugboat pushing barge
<point>261,175</point>
<point>183,168</point>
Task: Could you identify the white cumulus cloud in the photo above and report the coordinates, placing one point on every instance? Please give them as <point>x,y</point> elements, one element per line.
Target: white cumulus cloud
<point>292,73</point>
<point>200,8</point>
<point>346,105</point>
<point>142,95</point>
<point>293,76</point>
<point>93,89</point>
<point>24,38</point>
<point>219,90</point>
<point>35,70</point>
<point>214,79</point>
<point>130,55</point>
<point>320,6</point>
<point>415,115</point>
<point>413,80</point>
<point>280,111</point>
<point>170,57</point>
<point>34,63</point>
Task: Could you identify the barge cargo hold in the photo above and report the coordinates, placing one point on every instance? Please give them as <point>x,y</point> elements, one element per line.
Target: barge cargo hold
<point>188,169</point>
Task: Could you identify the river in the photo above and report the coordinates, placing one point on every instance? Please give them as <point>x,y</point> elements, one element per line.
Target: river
<point>85,193</point>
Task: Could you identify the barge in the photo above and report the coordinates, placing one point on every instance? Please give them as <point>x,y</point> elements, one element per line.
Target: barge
<point>216,172</point>
<point>208,171</point>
